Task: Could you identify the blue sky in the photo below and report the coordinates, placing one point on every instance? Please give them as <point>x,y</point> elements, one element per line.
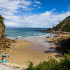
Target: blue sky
<point>59,5</point>
<point>34,13</point>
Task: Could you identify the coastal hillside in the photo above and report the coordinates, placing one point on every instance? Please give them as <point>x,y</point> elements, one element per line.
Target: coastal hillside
<point>4,42</point>
<point>63,26</point>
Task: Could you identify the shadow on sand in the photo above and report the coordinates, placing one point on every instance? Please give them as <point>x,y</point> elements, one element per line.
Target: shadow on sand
<point>51,50</point>
<point>49,41</point>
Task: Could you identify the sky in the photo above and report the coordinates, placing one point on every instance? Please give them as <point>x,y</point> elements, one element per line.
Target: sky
<point>34,13</point>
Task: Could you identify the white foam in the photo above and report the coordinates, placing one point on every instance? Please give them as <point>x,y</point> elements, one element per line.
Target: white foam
<point>19,36</point>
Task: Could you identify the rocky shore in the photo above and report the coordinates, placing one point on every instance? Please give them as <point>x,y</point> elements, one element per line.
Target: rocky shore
<point>5,44</point>
<point>61,42</point>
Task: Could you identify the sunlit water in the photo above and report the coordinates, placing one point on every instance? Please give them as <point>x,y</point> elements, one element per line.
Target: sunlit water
<point>25,32</point>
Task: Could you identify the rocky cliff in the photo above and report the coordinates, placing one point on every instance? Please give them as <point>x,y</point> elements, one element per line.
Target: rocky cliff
<point>2,31</point>
<point>4,42</point>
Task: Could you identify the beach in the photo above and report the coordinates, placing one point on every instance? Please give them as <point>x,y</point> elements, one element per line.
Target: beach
<point>27,44</point>
<point>35,49</point>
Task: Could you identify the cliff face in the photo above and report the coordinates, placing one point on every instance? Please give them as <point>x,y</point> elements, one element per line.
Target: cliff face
<point>2,30</point>
<point>63,26</point>
<point>2,27</point>
<point>4,42</point>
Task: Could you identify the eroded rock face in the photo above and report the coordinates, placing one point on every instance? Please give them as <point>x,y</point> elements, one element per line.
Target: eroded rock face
<point>4,42</point>
<point>2,31</point>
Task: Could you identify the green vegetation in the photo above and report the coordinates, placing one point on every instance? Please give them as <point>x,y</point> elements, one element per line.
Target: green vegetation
<point>65,46</point>
<point>66,27</point>
<point>63,26</point>
<point>64,63</point>
<point>2,20</point>
<point>52,64</point>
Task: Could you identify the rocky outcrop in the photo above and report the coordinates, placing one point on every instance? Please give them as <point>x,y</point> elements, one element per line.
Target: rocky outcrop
<point>2,31</point>
<point>4,42</point>
<point>49,30</point>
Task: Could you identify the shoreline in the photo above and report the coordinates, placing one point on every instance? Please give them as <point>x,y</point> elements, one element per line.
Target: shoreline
<point>33,49</point>
<point>22,37</point>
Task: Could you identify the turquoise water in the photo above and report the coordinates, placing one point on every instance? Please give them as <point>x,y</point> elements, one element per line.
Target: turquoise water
<point>25,32</point>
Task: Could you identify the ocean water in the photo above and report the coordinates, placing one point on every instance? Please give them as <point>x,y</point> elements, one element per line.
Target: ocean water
<point>25,32</point>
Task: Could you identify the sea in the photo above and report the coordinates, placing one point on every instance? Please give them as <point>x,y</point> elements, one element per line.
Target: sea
<point>26,32</point>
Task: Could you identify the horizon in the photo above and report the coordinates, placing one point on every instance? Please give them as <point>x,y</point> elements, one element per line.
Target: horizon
<point>22,27</point>
<point>34,13</point>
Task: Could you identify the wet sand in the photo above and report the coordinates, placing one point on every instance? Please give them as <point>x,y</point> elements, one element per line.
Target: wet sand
<point>35,49</point>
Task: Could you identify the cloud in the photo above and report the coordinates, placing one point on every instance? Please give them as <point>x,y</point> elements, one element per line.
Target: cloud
<point>37,2</point>
<point>45,20</point>
<point>8,8</point>
<point>13,5</point>
<point>37,6</point>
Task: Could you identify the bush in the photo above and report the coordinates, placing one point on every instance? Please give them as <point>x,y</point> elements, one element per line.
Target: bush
<point>30,67</point>
<point>52,64</point>
<point>2,20</point>
<point>65,46</point>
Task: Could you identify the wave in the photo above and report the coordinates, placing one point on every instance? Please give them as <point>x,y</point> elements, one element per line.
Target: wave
<point>20,36</point>
<point>36,35</point>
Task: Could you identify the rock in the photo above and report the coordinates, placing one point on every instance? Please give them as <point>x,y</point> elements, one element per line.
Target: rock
<point>4,42</point>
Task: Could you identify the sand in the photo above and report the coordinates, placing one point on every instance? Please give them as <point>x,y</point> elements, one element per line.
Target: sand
<point>35,49</point>
<point>4,67</point>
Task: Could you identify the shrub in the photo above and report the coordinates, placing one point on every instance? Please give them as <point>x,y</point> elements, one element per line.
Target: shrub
<point>30,67</point>
<point>52,64</point>
<point>2,20</point>
<point>65,46</point>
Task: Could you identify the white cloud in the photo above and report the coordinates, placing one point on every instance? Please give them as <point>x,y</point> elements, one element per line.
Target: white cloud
<point>13,5</point>
<point>45,19</point>
<point>37,2</point>
<point>37,6</point>
<point>11,23</point>
<point>9,7</point>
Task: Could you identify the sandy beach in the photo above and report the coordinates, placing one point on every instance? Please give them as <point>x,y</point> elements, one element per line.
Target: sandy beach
<point>36,49</point>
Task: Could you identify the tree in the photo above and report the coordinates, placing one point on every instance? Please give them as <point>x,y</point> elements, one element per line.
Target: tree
<point>2,20</point>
